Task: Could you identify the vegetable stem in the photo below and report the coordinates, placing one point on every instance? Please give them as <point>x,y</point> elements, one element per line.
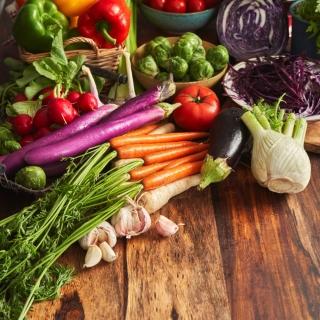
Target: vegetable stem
<point>252,123</point>
<point>289,125</point>
<point>213,170</point>
<point>300,129</point>
<point>261,117</point>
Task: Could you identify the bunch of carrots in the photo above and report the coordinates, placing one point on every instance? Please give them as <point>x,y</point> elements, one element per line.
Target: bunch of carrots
<point>167,156</point>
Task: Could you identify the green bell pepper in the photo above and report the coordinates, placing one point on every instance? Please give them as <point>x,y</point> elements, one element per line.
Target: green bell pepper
<point>37,24</point>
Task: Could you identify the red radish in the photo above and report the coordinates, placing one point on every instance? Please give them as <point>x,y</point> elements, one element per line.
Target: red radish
<point>87,102</point>
<point>41,132</point>
<point>61,111</point>
<point>26,140</point>
<point>73,96</point>
<point>48,94</point>
<point>19,97</point>
<point>22,124</point>
<point>15,160</point>
<point>41,118</point>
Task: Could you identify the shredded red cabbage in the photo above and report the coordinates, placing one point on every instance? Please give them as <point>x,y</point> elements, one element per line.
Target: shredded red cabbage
<point>269,78</point>
<point>252,28</point>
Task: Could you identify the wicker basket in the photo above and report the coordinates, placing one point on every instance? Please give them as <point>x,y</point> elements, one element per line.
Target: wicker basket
<point>103,58</point>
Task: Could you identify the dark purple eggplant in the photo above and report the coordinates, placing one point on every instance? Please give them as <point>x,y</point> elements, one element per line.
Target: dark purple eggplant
<point>228,139</point>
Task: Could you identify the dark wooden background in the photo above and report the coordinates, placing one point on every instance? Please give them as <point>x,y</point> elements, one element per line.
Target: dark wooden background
<point>244,253</point>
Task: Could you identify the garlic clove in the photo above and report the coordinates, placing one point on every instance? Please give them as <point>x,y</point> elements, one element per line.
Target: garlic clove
<point>89,239</point>
<point>110,233</point>
<point>107,252</point>
<point>165,227</point>
<point>93,256</point>
<point>102,235</point>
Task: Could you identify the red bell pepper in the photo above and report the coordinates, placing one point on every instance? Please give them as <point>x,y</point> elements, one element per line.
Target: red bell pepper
<point>107,23</point>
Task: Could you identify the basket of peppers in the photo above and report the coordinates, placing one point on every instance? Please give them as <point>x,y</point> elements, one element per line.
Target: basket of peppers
<point>95,29</point>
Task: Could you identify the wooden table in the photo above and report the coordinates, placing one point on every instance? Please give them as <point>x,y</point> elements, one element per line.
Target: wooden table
<point>244,253</point>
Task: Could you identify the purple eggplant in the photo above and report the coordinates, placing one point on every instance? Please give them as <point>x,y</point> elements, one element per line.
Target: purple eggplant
<point>15,160</point>
<point>143,101</point>
<point>228,139</point>
<point>96,135</point>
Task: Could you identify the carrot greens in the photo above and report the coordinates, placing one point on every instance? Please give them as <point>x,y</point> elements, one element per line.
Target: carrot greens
<point>33,239</point>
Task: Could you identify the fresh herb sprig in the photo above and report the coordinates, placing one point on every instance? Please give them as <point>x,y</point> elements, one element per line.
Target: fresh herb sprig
<point>38,235</point>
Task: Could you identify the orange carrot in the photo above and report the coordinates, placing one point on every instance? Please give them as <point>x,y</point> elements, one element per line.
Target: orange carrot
<point>159,138</point>
<point>141,150</point>
<point>167,176</point>
<point>175,153</point>
<point>191,158</point>
<point>144,171</point>
<point>138,132</point>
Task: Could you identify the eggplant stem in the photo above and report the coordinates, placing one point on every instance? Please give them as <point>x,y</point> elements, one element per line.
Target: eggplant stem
<point>213,170</point>
<point>289,125</point>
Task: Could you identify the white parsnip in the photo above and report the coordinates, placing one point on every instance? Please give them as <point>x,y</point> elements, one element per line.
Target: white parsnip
<point>123,162</point>
<point>165,128</point>
<point>155,199</point>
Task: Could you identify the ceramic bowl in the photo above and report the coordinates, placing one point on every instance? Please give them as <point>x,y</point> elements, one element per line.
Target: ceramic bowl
<point>177,23</point>
<point>148,82</point>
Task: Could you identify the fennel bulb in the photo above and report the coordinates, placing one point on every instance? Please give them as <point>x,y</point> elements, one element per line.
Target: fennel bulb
<point>279,161</point>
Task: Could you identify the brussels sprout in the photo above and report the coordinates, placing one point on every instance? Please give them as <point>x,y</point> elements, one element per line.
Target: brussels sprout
<point>199,53</point>
<point>178,67</point>
<point>218,57</point>
<point>186,78</point>
<point>201,69</point>
<point>161,55</point>
<point>162,76</point>
<point>194,40</point>
<point>156,41</point>
<point>183,49</point>
<point>148,66</point>
<point>31,177</point>
<point>9,146</point>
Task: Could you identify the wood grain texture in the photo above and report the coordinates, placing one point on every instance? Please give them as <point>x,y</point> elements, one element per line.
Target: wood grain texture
<point>270,248</point>
<point>312,140</point>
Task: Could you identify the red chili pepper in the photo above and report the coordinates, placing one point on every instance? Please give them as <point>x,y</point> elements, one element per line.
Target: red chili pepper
<point>178,6</point>
<point>107,23</point>
<point>196,5</point>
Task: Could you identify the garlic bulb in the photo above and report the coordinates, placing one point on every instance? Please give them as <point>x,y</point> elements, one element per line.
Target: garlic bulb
<point>165,227</point>
<point>89,239</point>
<point>131,220</point>
<point>278,162</point>
<point>107,233</point>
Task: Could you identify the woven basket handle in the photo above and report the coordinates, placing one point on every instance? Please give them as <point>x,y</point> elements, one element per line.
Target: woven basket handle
<point>82,40</point>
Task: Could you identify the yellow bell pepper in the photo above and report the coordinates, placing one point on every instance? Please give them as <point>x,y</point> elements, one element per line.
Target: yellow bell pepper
<point>73,8</point>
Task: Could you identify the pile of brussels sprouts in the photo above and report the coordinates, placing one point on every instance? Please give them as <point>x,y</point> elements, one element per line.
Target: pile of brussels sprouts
<point>187,59</point>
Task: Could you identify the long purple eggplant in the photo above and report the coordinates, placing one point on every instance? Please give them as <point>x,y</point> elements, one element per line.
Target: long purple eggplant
<point>96,135</point>
<point>228,139</point>
<point>144,100</point>
<point>55,169</point>
<point>15,160</point>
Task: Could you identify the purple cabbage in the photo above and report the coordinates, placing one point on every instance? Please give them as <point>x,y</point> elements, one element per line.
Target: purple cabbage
<point>252,28</point>
<point>268,78</point>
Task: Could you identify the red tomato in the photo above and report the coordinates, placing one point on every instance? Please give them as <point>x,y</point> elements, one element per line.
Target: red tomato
<point>156,4</point>
<point>199,106</point>
<point>196,5</point>
<point>178,6</point>
<point>211,3</point>
<point>21,124</point>
<point>26,140</point>
<point>41,118</point>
